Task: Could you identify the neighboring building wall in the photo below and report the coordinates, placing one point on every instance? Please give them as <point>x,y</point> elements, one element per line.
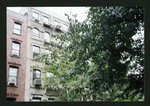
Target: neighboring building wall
<point>31,90</point>
<point>16,61</point>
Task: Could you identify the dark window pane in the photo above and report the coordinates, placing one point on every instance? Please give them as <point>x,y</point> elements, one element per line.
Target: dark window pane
<point>36,99</point>
<point>11,99</point>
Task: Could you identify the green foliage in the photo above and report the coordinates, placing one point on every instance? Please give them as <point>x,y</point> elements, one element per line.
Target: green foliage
<point>95,66</point>
<point>136,98</point>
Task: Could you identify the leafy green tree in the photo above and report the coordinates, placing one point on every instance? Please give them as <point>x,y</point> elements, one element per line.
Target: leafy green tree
<point>102,52</point>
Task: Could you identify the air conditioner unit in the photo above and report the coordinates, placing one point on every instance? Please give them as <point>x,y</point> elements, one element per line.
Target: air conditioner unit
<point>36,19</point>
<point>46,24</point>
<point>58,27</point>
<point>52,25</point>
<point>37,82</point>
<point>15,54</point>
<point>12,81</point>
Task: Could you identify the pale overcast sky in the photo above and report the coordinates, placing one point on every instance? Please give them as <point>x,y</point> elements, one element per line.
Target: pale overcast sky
<point>61,10</point>
<point>74,10</point>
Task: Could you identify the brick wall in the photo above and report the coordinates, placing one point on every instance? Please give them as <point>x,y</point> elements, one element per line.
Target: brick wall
<point>22,59</point>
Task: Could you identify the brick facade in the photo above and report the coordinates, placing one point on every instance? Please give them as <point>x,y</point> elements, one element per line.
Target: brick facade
<point>19,62</point>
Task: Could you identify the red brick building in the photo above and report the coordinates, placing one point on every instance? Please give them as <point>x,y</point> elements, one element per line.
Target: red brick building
<point>16,55</point>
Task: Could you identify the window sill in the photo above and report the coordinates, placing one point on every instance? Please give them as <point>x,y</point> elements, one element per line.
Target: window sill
<point>15,86</point>
<point>17,34</point>
<point>15,56</point>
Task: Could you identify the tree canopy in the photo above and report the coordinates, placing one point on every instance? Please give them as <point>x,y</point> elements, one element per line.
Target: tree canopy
<point>103,62</point>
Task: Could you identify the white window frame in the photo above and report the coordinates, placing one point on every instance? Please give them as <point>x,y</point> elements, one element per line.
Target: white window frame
<point>34,71</point>
<point>17,29</point>
<point>45,18</point>
<point>57,22</point>
<point>16,76</point>
<point>36,53</point>
<point>15,49</point>
<point>47,38</point>
<point>35,35</point>
<point>33,12</point>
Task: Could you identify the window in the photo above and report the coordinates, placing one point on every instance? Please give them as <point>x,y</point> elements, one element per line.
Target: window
<point>47,36</point>
<point>15,48</point>
<point>51,99</point>
<point>36,74</point>
<point>12,77</point>
<point>35,15</point>
<point>36,51</point>
<point>56,22</point>
<point>48,52</point>
<point>45,19</point>
<point>35,33</point>
<point>36,99</point>
<point>11,99</point>
<point>65,27</point>
<point>17,28</point>
<point>49,74</point>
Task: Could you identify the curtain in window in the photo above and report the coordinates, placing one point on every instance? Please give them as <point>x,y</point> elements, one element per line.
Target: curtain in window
<point>13,71</point>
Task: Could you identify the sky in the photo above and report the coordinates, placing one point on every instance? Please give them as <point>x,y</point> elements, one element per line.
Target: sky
<point>62,10</point>
<point>81,11</point>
